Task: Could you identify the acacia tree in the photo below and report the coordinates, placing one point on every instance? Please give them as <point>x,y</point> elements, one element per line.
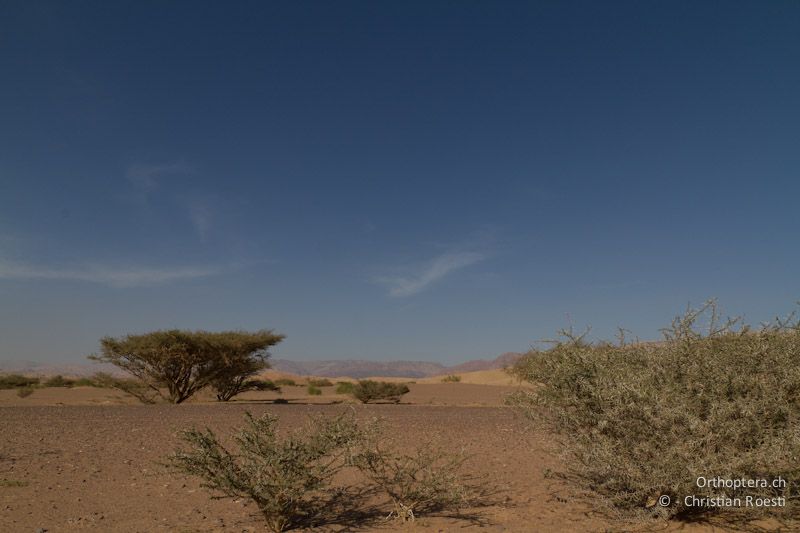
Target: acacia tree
<point>183,362</point>
<point>242,359</point>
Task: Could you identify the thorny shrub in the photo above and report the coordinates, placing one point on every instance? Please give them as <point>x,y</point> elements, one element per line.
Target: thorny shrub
<point>641,420</point>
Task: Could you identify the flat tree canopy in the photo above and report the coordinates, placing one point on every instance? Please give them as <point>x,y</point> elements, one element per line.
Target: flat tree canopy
<point>183,362</point>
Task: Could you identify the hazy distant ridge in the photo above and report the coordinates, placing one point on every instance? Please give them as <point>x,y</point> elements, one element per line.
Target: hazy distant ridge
<point>356,368</point>
<point>353,368</point>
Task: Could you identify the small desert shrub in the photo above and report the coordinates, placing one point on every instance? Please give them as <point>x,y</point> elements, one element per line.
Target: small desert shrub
<point>426,481</point>
<point>59,381</point>
<point>366,391</point>
<point>13,381</point>
<point>264,385</point>
<point>289,478</point>
<point>285,382</point>
<point>345,387</point>
<point>24,392</point>
<point>84,382</point>
<point>451,379</point>
<point>647,419</point>
<point>314,391</point>
<point>320,382</point>
<point>13,483</point>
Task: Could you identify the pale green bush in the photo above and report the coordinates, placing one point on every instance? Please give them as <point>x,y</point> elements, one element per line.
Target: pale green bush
<point>642,420</point>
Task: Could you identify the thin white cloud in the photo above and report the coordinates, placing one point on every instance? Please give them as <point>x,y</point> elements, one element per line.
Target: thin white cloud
<point>437,269</point>
<point>114,277</point>
<point>145,178</point>
<point>200,215</point>
<point>146,182</point>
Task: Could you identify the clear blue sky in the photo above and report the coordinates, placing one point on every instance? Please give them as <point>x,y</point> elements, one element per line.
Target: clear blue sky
<point>393,180</point>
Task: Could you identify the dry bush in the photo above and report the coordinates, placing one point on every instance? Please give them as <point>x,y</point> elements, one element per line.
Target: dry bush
<point>285,382</point>
<point>84,382</point>
<point>314,391</point>
<point>424,482</point>
<point>289,478</point>
<point>24,392</point>
<point>366,391</point>
<point>13,381</point>
<point>647,419</point>
<point>452,378</point>
<point>59,381</point>
<point>264,385</point>
<point>345,387</point>
<point>324,382</point>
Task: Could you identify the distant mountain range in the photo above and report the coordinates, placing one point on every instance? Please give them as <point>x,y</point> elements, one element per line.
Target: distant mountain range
<point>65,369</point>
<point>353,368</point>
<point>357,368</point>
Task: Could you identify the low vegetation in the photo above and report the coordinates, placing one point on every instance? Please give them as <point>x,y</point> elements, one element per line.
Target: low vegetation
<point>24,392</point>
<point>58,381</point>
<point>314,391</point>
<point>427,481</point>
<point>285,382</point>
<point>13,483</point>
<point>451,379</point>
<point>287,478</point>
<point>644,420</point>
<point>17,381</point>
<point>14,381</point>
<point>184,362</point>
<point>320,382</point>
<point>264,385</point>
<point>366,391</point>
<point>345,387</point>
<point>291,478</point>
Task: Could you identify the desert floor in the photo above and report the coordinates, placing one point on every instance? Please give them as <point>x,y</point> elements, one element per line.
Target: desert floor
<point>87,459</point>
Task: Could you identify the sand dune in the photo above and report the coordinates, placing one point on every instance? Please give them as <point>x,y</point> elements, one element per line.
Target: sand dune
<point>480,377</point>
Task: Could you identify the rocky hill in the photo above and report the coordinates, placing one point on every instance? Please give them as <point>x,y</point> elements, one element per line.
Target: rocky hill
<point>356,368</point>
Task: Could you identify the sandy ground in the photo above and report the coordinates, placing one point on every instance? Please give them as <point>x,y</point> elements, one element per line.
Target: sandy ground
<point>86,459</point>
<point>460,394</point>
<point>481,377</point>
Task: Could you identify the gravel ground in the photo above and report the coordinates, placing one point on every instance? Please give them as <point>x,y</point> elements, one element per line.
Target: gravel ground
<point>94,467</point>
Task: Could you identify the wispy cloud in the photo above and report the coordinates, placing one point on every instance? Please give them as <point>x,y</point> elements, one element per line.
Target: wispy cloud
<point>434,271</point>
<point>147,181</point>
<point>105,275</point>
<point>200,217</point>
<point>145,178</point>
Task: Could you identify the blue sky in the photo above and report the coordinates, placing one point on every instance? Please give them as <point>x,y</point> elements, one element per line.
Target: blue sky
<point>434,180</point>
